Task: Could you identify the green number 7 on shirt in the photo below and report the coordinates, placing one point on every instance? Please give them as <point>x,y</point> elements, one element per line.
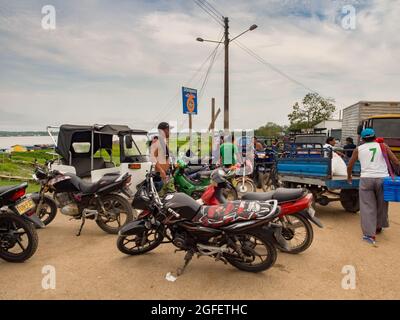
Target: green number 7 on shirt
<point>373,150</point>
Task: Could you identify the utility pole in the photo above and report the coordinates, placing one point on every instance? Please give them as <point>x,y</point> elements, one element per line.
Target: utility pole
<point>226,75</point>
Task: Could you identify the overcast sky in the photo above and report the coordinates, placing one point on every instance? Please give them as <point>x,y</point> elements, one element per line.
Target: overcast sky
<point>124,61</point>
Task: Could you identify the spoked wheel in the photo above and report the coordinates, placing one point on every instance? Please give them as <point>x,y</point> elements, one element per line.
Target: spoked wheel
<point>270,181</point>
<point>298,233</point>
<point>244,186</point>
<point>230,193</point>
<point>251,252</point>
<point>18,238</point>
<point>47,210</point>
<point>118,212</point>
<point>141,242</point>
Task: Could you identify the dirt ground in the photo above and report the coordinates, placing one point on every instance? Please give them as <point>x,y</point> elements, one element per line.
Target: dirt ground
<point>91,267</point>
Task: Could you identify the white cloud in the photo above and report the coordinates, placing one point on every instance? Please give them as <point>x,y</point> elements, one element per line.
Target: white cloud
<point>124,62</point>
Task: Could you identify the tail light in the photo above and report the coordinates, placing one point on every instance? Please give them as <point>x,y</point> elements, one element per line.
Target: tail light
<point>135,166</point>
<point>18,194</point>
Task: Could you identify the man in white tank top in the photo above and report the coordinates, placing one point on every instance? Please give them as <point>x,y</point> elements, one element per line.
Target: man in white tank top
<point>373,208</point>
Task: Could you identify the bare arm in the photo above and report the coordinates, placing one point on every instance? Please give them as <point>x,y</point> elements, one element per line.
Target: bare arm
<point>350,166</point>
<point>393,159</point>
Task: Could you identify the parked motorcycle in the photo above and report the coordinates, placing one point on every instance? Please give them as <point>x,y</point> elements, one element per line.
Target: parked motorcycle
<point>82,200</point>
<point>231,232</point>
<point>194,182</point>
<point>18,236</point>
<point>295,216</point>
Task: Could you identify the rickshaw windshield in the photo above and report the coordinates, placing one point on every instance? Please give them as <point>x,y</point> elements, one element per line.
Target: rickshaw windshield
<point>135,145</point>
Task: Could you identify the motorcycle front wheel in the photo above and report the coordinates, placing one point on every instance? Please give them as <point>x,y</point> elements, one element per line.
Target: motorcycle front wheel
<point>252,252</point>
<point>140,242</point>
<point>18,238</point>
<point>48,209</point>
<point>244,186</point>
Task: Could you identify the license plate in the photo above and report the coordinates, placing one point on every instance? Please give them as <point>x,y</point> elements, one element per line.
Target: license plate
<point>311,211</point>
<point>25,206</point>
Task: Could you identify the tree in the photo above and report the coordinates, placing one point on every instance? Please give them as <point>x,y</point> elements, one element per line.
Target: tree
<point>313,110</point>
<point>270,129</point>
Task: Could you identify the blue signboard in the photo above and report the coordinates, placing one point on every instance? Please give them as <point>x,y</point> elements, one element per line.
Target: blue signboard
<point>189,98</point>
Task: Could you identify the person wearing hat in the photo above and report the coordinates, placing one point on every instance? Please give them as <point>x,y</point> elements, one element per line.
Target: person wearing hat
<point>374,168</point>
<point>159,151</point>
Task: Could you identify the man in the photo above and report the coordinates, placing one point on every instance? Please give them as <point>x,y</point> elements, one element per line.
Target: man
<point>159,151</point>
<point>229,152</point>
<point>350,146</point>
<point>329,147</point>
<point>257,145</point>
<point>373,208</point>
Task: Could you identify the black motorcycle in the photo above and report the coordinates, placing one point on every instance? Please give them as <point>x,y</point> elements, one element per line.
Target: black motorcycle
<point>18,236</point>
<point>99,201</point>
<point>233,232</point>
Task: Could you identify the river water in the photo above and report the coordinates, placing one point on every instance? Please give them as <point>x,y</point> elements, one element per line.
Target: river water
<point>6,142</point>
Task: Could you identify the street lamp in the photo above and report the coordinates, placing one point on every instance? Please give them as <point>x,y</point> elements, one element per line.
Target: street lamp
<point>226,73</point>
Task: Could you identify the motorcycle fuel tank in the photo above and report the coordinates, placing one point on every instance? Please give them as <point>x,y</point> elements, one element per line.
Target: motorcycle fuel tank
<point>183,204</point>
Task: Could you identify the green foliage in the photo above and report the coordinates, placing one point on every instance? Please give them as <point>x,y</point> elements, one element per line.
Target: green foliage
<point>32,187</point>
<point>313,110</point>
<point>270,129</point>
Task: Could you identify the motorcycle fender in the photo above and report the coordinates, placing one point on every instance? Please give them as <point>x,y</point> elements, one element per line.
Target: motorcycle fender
<point>274,233</point>
<point>313,219</point>
<point>134,227</point>
<point>35,220</point>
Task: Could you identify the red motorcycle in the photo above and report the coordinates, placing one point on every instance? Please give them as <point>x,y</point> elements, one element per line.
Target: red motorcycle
<point>295,216</point>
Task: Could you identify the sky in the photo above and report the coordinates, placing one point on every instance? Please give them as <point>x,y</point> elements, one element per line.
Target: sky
<point>125,61</point>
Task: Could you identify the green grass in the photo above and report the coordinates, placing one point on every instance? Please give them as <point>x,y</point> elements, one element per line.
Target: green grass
<point>32,187</point>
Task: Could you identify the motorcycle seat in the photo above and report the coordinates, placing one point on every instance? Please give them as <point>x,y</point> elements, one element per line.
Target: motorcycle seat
<point>280,194</point>
<point>89,187</point>
<point>231,212</point>
<point>199,175</point>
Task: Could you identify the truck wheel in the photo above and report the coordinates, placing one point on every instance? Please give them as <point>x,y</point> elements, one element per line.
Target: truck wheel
<point>350,200</point>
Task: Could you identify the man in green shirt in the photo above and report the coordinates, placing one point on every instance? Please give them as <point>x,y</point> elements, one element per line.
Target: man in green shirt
<point>229,152</point>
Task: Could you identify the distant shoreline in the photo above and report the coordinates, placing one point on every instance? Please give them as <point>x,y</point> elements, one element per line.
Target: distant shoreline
<point>23,133</point>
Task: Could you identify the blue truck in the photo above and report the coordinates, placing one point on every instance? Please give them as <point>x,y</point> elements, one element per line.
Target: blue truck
<point>308,168</point>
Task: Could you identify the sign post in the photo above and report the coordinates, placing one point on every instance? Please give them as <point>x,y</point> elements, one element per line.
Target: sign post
<point>189,99</point>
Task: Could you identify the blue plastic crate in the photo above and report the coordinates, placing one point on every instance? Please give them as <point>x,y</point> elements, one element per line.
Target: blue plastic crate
<point>391,189</point>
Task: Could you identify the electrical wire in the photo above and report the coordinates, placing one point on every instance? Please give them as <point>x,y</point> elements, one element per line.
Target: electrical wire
<point>212,8</point>
<point>271,66</point>
<point>212,14</point>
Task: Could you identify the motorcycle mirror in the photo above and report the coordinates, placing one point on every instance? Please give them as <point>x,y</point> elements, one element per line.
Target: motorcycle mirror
<point>129,142</point>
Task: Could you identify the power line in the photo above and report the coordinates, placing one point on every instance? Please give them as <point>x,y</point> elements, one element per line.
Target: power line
<point>212,8</point>
<point>212,14</point>
<point>171,104</point>
<point>271,66</point>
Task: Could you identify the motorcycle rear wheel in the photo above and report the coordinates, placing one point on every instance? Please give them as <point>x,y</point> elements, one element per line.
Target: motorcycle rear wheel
<point>12,230</point>
<point>290,233</point>
<point>112,203</point>
<point>248,243</point>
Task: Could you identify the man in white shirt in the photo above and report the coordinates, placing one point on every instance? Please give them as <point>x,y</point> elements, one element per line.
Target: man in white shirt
<point>373,208</point>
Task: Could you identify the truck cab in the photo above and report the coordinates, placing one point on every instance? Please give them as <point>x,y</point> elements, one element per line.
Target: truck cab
<point>386,126</point>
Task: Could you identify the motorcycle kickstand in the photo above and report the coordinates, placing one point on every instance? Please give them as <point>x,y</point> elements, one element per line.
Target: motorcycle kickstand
<point>188,258</point>
<point>82,224</point>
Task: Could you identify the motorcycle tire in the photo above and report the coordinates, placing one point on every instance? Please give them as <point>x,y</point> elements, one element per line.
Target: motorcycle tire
<point>127,210</point>
<point>249,184</point>
<point>47,216</point>
<point>33,240</point>
<point>308,239</point>
<point>264,265</point>
<point>122,242</point>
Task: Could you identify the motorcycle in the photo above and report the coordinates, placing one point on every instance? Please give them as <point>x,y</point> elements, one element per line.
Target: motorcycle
<point>18,222</point>
<point>231,232</point>
<point>295,216</point>
<point>194,182</point>
<point>82,200</point>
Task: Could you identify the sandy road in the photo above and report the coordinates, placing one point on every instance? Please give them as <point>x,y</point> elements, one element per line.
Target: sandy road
<point>91,267</point>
